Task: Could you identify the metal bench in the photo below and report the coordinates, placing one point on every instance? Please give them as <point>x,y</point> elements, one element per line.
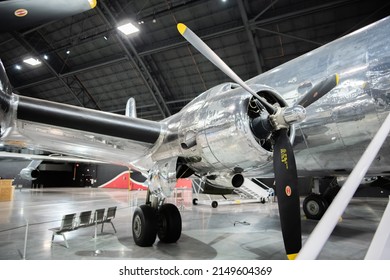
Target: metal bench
<point>67,224</point>
<point>71,222</point>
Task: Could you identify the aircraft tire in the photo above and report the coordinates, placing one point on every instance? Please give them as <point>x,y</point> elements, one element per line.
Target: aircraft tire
<point>144,226</point>
<point>195,201</point>
<point>314,206</point>
<point>169,223</point>
<point>214,204</point>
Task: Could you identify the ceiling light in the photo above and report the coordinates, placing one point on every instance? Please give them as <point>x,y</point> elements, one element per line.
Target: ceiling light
<point>154,20</point>
<point>18,67</point>
<point>68,52</point>
<point>45,57</point>
<point>128,28</point>
<point>105,38</point>
<point>32,61</point>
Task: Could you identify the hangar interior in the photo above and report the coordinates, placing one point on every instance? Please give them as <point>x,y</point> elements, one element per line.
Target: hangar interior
<point>85,61</point>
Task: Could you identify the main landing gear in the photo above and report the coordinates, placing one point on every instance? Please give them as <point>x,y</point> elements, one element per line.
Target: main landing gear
<point>315,204</point>
<point>148,223</point>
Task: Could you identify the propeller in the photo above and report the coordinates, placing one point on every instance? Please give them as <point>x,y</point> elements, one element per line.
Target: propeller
<point>277,124</point>
<point>201,46</point>
<point>319,90</point>
<point>286,185</point>
<point>16,15</point>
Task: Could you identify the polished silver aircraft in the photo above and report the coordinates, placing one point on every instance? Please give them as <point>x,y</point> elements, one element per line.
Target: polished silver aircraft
<point>312,116</point>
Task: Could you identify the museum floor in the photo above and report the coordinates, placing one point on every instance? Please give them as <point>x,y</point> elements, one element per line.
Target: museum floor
<point>243,231</point>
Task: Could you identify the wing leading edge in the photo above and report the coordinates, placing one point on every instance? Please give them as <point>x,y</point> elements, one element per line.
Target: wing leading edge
<point>48,126</point>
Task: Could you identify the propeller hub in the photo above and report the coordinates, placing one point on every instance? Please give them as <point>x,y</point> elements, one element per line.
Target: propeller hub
<point>284,117</point>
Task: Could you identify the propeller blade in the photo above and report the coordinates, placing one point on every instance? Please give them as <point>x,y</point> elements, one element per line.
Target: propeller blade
<point>286,184</point>
<point>201,46</point>
<point>319,90</point>
<point>16,15</point>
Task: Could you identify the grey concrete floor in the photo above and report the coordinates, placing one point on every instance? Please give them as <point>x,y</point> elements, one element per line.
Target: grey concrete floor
<point>241,232</point>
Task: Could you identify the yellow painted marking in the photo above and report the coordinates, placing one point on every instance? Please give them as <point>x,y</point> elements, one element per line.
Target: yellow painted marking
<point>284,157</point>
<point>237,201</point>
<point>182,28</point>
<point>337,79</point>
<point>292,256</point>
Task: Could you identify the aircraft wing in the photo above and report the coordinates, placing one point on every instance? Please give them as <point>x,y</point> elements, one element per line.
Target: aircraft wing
<point>18,14</point>
<point>81,132</point>
<point>51,157</point>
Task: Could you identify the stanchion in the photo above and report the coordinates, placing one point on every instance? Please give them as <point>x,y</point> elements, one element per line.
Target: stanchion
<point>324,228</point>
<point>25,241</point>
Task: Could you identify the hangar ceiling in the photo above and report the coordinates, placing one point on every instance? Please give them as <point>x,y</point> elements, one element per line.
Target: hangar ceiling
<point>87,62</point>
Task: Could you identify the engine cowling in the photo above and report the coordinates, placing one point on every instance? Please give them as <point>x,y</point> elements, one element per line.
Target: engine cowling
<point>29,173</point>
<point>217,129</point>
<point>214,134</point>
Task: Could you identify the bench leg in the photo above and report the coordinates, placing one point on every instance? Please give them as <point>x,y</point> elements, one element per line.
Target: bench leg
<point>52,239</point>
<point>113,226</point>
<point>66,241</point>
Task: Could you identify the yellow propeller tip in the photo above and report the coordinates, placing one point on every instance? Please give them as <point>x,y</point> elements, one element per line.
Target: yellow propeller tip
<point>337,79</point>
<point>92,3</point>
<point>182,28</point>
<point>292,256</point>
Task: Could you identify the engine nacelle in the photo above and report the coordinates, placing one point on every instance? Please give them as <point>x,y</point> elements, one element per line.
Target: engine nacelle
<point>213,134</point>
<point>29,173</point>
<point>218,131</point>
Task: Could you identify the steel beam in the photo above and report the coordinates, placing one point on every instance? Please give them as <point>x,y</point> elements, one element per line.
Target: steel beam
<point>71,83</point>
<point>138,63</point>
<point>249,33</point>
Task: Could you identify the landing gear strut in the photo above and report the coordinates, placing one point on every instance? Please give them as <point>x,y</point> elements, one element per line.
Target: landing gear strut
<point>165,222</point>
